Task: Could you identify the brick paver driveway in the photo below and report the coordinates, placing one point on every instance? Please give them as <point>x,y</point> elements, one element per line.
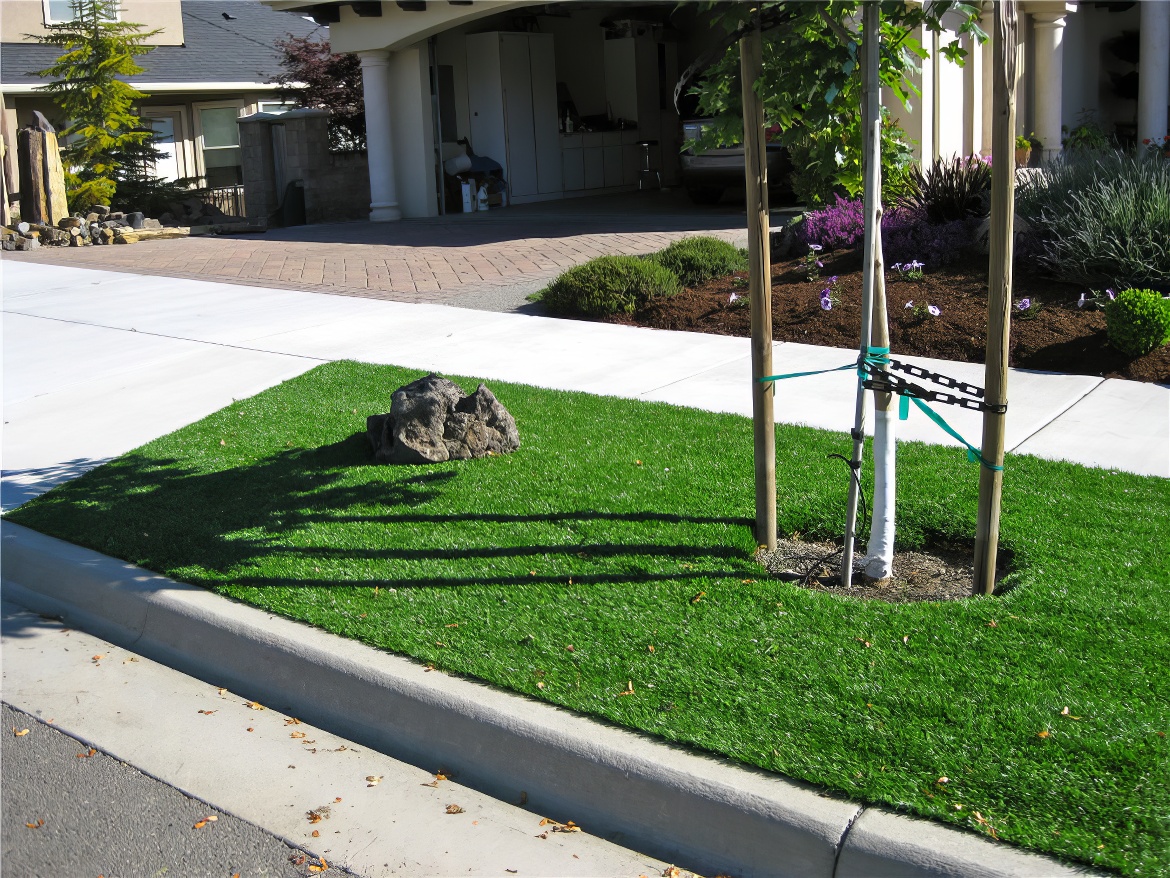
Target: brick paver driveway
<point>465,259</point>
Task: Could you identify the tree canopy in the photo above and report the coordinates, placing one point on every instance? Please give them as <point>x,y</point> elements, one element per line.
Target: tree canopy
<point>314,77</point>
<point>811,86</point>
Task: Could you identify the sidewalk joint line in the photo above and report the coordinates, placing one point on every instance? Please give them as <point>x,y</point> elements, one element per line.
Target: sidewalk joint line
<point>1064,411</point>
<point>861,809</point>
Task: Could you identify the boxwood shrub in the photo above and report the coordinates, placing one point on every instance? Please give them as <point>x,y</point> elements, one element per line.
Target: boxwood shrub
<point>1138,321</point>
<point>698,259</point>
<point>609,285</point>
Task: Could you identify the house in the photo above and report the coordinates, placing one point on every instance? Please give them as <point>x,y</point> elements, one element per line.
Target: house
<point>212,63</point>
<point>504,73</point>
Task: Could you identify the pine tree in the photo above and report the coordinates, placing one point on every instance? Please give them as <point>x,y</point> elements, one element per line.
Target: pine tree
<point>104,127</point>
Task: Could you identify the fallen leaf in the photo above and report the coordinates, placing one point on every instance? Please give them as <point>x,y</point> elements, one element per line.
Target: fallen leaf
<point>433,783</point>
<point>747,581</point>
<point>98,658</point>
<point>454,809</point>
<point>863,641</point>
<point>211,818</point>
<point>629,689</point>
<point>36,825</point>
<point>296,734</point>
<point>19,734</point>
<point>87,754</point>
<point>222,442</point>
<point>544,821</point>
<point>543,834</point>
<point>943,779</point>
<point>992,624</point>
<point>958,807</point>
<point>569,648</point>
<point>568,826</point>
<point>250,729</point>
<point>316,833</point>
<point>255,705</point>
<point>207,712</point>
<point>314,817</point>
<point>221,691</point>
<point>441,774</point>
<point>297,859</point>
<point>906,640</point>
<point>373,780</point>
<point>200,824</point>
<point>637,463</point>
<point>540,685</point>
<point>452,625</point>
<point>292,721</point>
<point>697,597</point>
<point>671,872</point>
<point>651,647</point>
<point>1069,715</point>
<point>338,799</point>
<point>1043,733</point>
<point>985,823</point>
<point>132,658</point>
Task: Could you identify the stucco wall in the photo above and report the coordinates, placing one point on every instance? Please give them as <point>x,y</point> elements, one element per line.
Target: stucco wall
<point>21,17</point>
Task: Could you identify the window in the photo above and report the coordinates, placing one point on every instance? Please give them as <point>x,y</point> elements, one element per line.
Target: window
<point>276,107</point>
<point>221,145</point>
<point>61,11</point>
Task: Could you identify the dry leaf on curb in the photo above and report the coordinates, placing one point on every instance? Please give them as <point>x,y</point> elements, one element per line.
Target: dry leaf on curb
<point>98,658</point>
<point>372,780</point>
<point>21,733</point>
<point>221,690</point>
<point>454,809</point>
<point>36,825</point>
<point>985,823</point>
<point>543,834</point>
<point>671,872</point>
<point>544,821</point>
<point>292,721</point>
<point>86,755</point>
<point>569,826</point>
<point>296,734</point>
<point>207,712</point>
<point>629,689</point>
<point>338,799</point>
<point>250,729</point>
<point>210,818</point>
<point>321,868</point>
<point>255,705</point>
<point>316,833</point>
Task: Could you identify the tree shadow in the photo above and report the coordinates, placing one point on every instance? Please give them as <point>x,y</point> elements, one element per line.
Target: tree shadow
<point>299,517</point>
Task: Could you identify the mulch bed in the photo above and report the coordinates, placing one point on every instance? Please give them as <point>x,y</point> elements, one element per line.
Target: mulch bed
<point>1054,336</point>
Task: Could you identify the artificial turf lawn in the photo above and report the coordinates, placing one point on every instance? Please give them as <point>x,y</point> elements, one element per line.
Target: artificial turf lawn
<point>620,525</point>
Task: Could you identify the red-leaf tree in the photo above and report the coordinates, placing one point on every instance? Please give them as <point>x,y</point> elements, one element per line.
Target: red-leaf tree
<point>314,77</point>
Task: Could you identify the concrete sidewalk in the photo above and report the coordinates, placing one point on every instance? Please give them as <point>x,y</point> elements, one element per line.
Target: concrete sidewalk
<point>133,357</point>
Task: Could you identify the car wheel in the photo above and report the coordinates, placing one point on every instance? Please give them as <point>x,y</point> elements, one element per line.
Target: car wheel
<point>704,194</point>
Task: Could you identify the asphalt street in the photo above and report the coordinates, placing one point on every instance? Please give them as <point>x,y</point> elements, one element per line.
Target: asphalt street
<point>72,810</point>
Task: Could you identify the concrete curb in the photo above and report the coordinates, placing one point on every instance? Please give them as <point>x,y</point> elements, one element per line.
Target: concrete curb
<point>707,813</point>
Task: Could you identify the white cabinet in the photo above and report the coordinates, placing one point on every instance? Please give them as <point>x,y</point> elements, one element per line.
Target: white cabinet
<point>512,98</point>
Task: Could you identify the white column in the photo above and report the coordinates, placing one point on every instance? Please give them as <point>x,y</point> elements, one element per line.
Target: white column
<point>987,80</point>
<point>1153,70</point>
<point>1048,30</point>
<point>379,137</point>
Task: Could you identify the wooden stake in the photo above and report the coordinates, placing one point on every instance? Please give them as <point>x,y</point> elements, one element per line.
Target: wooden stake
<point>999,292</point>
<point>759,288</point>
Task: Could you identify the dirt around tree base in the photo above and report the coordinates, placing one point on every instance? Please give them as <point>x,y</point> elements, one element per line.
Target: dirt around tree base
<point>943,574</point>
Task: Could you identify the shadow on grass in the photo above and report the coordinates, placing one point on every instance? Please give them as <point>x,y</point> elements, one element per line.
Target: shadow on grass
<point>266,523</point>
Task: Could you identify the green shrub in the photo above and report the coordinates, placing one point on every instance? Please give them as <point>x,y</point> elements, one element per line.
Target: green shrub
<point>1101,218</point>
<point>698,259</point>
<point>1138,321</point>
<point>953,189</point>
<point>609,285</point>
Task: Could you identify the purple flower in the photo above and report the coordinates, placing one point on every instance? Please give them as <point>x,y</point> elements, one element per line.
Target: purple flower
<point>820,264</point>
<point>1081,301</point>
<point>816,248</point>
<point>1112,295</point>
<point>910,304</point>
<point>1023,304</point>
<point>915,265</point>
<point>833,279</point>
<point>934,310</point>
<point>897,266</point>
<point>826,304</point>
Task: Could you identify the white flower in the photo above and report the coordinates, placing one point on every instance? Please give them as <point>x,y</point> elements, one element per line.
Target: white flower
<point>735,296</point>
<point>934,310</point>
<point>910,304</point>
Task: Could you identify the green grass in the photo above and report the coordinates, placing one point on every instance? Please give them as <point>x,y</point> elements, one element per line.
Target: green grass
<point>571,542</point>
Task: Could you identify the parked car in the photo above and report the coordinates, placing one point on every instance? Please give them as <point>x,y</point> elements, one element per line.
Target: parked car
<point>707,173</point>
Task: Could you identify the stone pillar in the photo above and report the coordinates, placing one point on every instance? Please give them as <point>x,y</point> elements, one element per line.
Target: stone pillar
<point>379,136</point>
<point>258,165</point>
<point>1048,30</point>
<point>1154,70</point>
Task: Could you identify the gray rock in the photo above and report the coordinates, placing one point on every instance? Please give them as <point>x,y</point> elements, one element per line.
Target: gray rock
<point>149,223</point>
<point>430,420</point>
<point>69,222</point>
<point>100,209</point>
<point>135,219</point>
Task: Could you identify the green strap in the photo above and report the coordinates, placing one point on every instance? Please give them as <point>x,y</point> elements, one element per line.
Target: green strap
<point>876,356</point>
<point>973,454</point>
